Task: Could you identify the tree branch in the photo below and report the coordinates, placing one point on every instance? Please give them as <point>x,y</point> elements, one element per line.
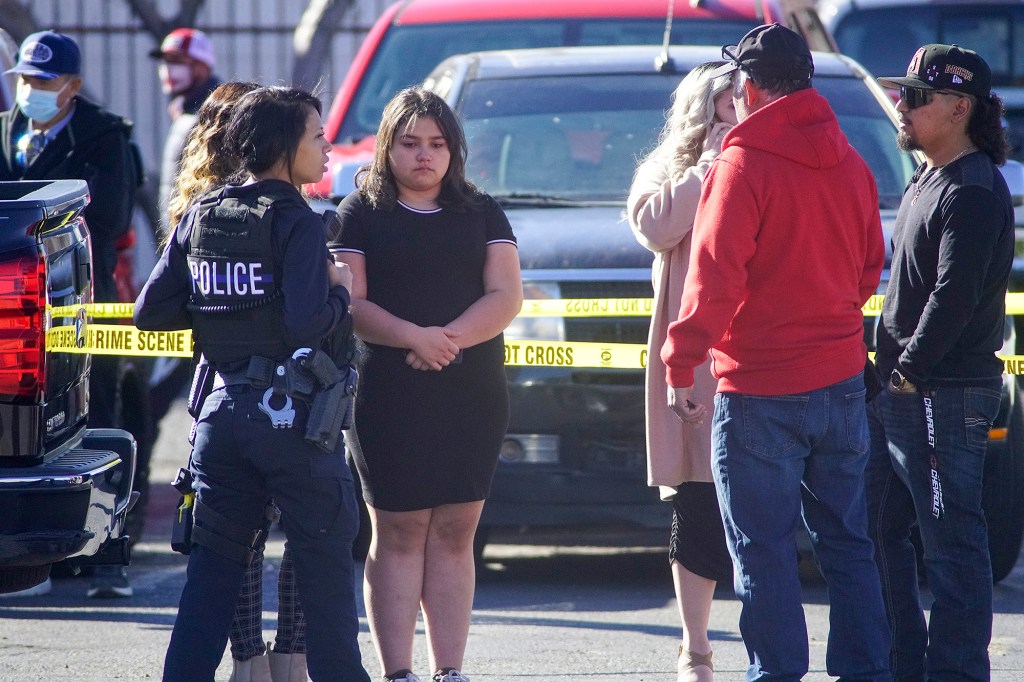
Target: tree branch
<point>312,40</point>
<point>156,25</point>
<point>16,18</point>
<point>152,21</point>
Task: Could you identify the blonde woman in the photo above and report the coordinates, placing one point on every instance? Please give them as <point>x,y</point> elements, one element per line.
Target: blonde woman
<point>204,165</point>
<point>662,205</point>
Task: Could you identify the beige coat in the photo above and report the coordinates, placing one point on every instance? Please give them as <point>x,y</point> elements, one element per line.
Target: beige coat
<point>661,212</point>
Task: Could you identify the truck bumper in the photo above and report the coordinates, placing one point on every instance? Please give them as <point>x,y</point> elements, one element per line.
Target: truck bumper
<point>575,454</point>
<point>71,505</point>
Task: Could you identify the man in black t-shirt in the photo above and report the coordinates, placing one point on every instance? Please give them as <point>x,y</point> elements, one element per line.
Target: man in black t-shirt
<point>942,324</point>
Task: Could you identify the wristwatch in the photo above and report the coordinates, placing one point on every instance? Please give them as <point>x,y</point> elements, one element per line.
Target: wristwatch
<point>900,382</point>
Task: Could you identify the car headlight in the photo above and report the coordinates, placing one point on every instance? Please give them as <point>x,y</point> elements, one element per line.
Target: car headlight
<point>545,328</point>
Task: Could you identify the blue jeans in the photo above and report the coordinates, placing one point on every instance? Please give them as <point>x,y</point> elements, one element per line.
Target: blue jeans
<point>954,645</point>
<point>240,462</point>
<point>777,458</point>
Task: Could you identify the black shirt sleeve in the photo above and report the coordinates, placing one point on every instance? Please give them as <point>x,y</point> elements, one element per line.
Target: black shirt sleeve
<point>311,310</point>
<point>352,216</point>
<point>971,220</point>
<point>161,303</point>
<point>498,227</point>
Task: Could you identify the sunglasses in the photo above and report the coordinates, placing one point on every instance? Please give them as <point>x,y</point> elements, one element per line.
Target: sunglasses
<point>919,97</point>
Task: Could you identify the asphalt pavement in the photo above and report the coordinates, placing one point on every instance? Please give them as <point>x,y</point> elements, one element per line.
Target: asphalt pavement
<point>546,613</point>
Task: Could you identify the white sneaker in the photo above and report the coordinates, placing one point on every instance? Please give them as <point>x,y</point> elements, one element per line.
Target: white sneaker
<point>109,582</point>
<point>450,676</point>
<point>34,591</point>
<point>408,678</point>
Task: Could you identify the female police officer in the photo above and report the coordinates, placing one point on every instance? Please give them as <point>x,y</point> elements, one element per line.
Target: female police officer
<point>248,271</point>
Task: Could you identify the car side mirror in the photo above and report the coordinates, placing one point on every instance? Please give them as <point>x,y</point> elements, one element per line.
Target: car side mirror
<point>1013,173</point>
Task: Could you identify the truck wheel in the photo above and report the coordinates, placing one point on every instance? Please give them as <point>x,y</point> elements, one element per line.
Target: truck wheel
<point>17,578</point>
<point>1003,496</point>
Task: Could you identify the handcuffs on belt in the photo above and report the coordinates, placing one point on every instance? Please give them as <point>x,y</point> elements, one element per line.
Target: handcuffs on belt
<point>283,417</point>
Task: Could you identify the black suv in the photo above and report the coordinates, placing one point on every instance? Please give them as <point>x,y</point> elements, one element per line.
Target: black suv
<point>64,489</point>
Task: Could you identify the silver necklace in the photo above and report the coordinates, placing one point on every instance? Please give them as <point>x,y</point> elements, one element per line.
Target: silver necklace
<point>927,173</point>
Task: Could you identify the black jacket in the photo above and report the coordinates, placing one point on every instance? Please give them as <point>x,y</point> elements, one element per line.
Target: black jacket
<point>93,146</point>
<point>944,310</point>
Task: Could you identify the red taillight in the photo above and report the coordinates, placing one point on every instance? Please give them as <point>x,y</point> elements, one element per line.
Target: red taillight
<point>22,337</point>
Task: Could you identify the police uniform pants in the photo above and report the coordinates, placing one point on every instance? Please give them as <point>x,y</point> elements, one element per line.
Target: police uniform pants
<point>239,461</point>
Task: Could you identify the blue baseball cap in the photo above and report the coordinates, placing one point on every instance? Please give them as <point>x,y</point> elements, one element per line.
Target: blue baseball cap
<point>48,54</point>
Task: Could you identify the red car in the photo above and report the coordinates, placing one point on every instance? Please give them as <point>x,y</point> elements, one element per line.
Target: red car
<point>412,36</point>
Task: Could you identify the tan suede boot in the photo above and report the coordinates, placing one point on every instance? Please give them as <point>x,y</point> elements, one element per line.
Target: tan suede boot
<point>287,667</point>
<point>256,669</point>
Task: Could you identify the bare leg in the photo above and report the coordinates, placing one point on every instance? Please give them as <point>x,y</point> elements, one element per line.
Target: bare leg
<point>694,596</point>
<point>393,583</point>
<point>449,582</point>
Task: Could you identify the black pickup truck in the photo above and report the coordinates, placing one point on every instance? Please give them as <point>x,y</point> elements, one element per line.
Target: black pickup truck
<point>64,489</point>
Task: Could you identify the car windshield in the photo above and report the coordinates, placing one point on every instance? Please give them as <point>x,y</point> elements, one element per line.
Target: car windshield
<point>578,138</point>
<point>884,39</point>
<point>408,53</point>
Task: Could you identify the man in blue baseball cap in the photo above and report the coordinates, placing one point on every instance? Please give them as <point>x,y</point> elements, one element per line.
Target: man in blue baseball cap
<point>53,132</point>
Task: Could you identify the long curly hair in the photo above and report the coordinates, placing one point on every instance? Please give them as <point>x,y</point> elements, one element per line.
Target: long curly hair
<point>204,162</point>
<point>376,181</point>
<point>690,118</point>
<point>985,128</point>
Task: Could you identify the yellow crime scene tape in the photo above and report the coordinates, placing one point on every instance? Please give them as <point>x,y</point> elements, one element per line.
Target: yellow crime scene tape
<point>119,339</point>
<point>642,307</point>
<point>122,339</point>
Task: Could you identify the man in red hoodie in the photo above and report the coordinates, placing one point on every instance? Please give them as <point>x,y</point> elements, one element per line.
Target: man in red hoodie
<point>787,247</point>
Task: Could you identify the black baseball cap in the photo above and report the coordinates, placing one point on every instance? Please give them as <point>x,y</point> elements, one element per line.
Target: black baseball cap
<point>770,51</point>
<point>48,54</point>
<point>945,67</point>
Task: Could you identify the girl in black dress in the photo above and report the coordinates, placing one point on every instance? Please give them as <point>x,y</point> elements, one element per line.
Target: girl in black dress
<point>435,281</point>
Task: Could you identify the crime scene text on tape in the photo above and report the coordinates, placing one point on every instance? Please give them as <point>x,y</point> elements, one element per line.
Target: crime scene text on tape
<point>119,339</point>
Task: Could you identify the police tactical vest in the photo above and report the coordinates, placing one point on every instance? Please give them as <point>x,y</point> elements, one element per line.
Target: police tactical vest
<point>236,301</point>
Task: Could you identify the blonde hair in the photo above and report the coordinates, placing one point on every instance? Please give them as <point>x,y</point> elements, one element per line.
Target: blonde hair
<point>690,118</point>
<point>205,164</point>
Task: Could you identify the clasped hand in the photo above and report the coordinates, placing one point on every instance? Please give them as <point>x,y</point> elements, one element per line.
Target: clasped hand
<point>433,348</point>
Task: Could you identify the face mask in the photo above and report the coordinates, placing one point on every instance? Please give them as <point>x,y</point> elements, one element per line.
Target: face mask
<point>175,78</point>
<point>38,105</point>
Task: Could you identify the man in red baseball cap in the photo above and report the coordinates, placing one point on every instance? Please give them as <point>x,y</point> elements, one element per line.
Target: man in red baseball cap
<point>186,73</point>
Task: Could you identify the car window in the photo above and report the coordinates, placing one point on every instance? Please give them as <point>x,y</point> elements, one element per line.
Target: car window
<point>575,138</point>
<point>408,53</point>
<point>884,39</point>
<point>579,137</point>
<point>871,133</point>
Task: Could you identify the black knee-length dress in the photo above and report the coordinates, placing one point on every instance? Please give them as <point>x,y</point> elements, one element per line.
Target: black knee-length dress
<point>426,438</point>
